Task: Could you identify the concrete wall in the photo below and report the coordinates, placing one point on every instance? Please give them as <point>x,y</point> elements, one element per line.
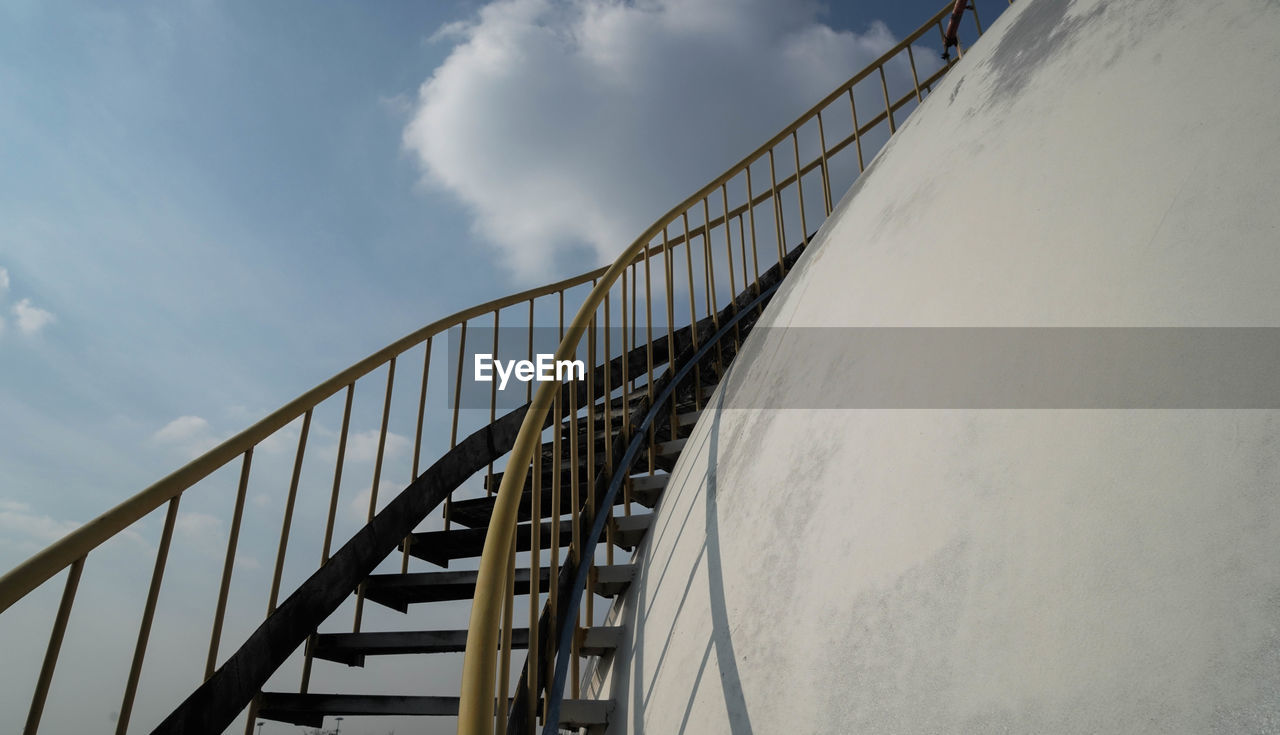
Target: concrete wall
<point>1089,163</point>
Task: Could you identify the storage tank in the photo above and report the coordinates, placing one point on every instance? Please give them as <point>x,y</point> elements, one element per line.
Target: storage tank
<point>1023,549</point>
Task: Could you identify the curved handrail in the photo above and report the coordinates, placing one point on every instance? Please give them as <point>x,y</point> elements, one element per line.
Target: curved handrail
<point>480,665</point>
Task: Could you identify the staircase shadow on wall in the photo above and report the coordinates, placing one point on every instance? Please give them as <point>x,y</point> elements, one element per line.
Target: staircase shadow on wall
<point>721,639</point>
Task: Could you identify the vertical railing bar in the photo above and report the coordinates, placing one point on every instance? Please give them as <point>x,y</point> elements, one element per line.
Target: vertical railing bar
<point>708,266</point>
<point>976,23</point>
<point>608,402</point>
<point>728,245</point>
<point>575,477</point>
<point>148,615</point>
<point>751,214</point>
<point>251,715</point>
<point>857,139</point>
<point>528,386</point>
<point>635,297</point>
<point>45,679</point>
<point>915,78</point>
<point>668,265</point>
<point>826,174</point>
<point>457,407</point>
<point>557,475</point>
<point>607,459</point>
<point>287,524</point>
<point>728,240</point>
<point>337,475</point>
<point>804,223</point>
<point>648,331</point>
<point>417,446</point>
<point>777,217</point>
<point>535,562</point>
<point>888,106</point>
<point>693,311</point>
<point>377,477</point>
<point>493,399</point>
<point>504,645</point>
<point>457,387</point>
<point>626,390</point>
<point>233,540</point>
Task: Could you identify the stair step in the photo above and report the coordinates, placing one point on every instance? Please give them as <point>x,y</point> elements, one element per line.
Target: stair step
<point>475,512</point>
<point>628,531</point>
<point>649,483</point>
<point>688,418</point>
<point>441,547</point>
<point>590,713</point>
<point>613,579</point>
<point>352,648</point>
<point>671,449</point>
<point>309,710</point>
<point>399,591</point>
<point>548,472</point>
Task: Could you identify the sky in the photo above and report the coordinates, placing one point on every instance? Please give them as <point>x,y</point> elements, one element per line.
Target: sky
<point>206,208</point>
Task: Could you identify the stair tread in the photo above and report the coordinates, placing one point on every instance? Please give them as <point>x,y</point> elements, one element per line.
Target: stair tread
<point>352,648</point>
<point>398,591</point>
<point>441,547</point>
<point>475,512</point>
<point>671,448</point>
<point>688,418</point>
<point>309,710</point>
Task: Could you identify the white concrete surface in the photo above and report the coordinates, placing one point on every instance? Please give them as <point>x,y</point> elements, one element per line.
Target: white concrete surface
<point>1089,163</point>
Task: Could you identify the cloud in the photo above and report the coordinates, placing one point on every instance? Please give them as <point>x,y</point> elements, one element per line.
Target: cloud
<point>363,446</point>
<point>247,562</point>
<point>4,279</point>
<point>31,319</point>
<point>191,435</point>
<point>358,508</point>
<point>19,520</point>
<point>197,525</point>
<point>566,126</point>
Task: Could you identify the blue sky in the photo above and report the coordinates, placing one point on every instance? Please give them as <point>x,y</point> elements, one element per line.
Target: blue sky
<point>206,208</point>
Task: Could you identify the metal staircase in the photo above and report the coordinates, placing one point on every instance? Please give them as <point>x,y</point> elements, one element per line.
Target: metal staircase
<point>579,464</point>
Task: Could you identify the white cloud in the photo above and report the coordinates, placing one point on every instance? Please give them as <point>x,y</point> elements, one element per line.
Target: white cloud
<point>569,124</point>
<point>363,446</point>
<point>4,279</point>
<point>31,319</point>
<point>181,429</point>
<point>247,562</point>
<point>19,520</point>
<point>192,435</point>
<point>198,526</point>
<point>358,508</point>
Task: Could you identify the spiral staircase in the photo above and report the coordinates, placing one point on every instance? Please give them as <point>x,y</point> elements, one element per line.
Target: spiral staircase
<point>544,503</point>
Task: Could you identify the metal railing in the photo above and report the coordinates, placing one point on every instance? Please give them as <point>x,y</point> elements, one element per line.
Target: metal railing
<point>731,203</point>
<point>724,231</point>
<point>71,552</point>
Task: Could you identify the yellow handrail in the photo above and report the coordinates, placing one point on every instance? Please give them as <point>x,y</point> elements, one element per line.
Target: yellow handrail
<point>476,713</point>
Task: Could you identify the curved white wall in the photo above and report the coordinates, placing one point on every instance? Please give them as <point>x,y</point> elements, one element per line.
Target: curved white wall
<point>1088,163</point>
